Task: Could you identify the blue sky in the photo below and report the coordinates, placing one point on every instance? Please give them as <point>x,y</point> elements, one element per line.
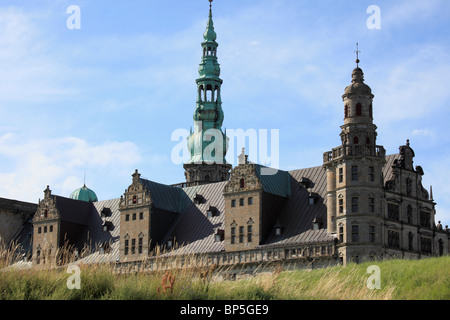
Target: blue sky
<point>104,100</point>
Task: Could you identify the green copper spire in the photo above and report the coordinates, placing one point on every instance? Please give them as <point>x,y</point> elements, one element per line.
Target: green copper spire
<point>208,112</point>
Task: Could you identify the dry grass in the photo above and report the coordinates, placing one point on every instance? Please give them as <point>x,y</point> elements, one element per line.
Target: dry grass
<point>402,279</point>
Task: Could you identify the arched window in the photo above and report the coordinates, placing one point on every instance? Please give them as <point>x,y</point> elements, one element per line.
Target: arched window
<point>371,111</point>
<point>207,178</point>
<point>134,199</point>
<point>367,140</point>
<point>358,109</point>
<point>242,183</point>
<point>346,111</point>
<point>355,140</point>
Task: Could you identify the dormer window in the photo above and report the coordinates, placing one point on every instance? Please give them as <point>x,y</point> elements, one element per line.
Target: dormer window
<point>107,226</point>
<point>106,212</point>
<point>219,235</point>
<point>242,183</point>
<point>212,212</point>
<point>198,198</point>
<point>134,199</point>
<point>278,231</point>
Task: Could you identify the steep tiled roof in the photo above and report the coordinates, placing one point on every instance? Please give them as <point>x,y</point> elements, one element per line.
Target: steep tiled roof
<point>194,230</point>
<point>74,211</point>
<point>165,197</point>
<point>274,181</point>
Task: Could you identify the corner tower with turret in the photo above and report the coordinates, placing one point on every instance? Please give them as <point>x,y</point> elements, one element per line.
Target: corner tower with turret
<point>354,177</point>
<point>208,143</point>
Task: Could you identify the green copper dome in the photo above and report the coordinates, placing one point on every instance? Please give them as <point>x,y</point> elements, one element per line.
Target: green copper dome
<point>84,194</point>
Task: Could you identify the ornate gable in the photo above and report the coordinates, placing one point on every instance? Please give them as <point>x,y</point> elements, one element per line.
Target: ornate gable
<point>46,209</point>
<point>243,178</point>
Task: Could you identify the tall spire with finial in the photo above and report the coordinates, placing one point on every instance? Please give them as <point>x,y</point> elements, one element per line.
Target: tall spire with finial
<point>357,55</point>
<point>208,116</point>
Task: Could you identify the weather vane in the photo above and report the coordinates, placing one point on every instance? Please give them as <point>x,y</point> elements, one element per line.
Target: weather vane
<point>357,55</point>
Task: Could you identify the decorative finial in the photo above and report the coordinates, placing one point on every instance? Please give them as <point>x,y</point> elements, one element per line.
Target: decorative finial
<point>407,142</point>
<point>210,3</point>
<point>357,55</point>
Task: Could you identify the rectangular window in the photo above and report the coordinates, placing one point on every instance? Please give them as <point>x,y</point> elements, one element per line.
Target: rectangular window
<point>250,201</point>
<point>241,234</point>
<point>355,233</point>
<point>45,229</point>
<point>393,211</point>
<point>354,173</point>
<point>249,233</point>
<point>51,228</point>
<point>424,219</point>
<point>241,202</point>
<point>341,205</point>
<point>354,204</point>
<point>341,175</point>
<point>39,230</point>
<point>133,246</point>
<point>127,217</point>
<point>393,239</point>
<point>341,234</point>
<point>372,205</point>
<point>371,233</point>
<point>233,203</point>
<point>126,247</point>
<point>134,216</point>
<point>141,216</point>
<point>140,245</point>
<point>233,235</point>
<point>371,174</point>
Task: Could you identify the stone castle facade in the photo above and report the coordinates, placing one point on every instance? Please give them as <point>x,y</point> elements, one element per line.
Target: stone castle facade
<point>358,204</point>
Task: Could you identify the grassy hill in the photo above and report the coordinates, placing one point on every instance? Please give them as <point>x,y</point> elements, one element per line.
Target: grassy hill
<point>400,280</point>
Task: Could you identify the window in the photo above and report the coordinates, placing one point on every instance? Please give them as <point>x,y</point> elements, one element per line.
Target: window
<point>372,174</point>
<point>354,204</point>
<point>250,201</point>
<point>341,175</point>
<point>39,230</point>
<point>242,183</point>
<point>133,246</point>
<point>141,216</point>
<point>425,219</point>
<point>233,235</point>
<point>354,173</point>
<point>241,202</point>
<point>51,228</point>
<point>134,216</point>
<point>140,245</point>
<point>355,140</point>
<point>126,247</point>
<point>249,233</point>
<point>409,214</point>
<point>233,203</point>
<point>346,111</point>
<point>393,211</point>
<point>341,205</point>
<point>341,234</point>
<point>371,204</point>
<point>134,199</point>
<point>45,229</point>
<point>425,245</point>
<point>45,213</point>
<point>371,233</point>
<point>355,233</point>
<point>358,109</point>
<point>410,241</point>
<point>241,234</point>
<point>393,239</point>
<point>127,217</point>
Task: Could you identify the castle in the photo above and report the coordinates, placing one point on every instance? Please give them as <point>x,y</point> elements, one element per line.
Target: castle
<point>358,204</point>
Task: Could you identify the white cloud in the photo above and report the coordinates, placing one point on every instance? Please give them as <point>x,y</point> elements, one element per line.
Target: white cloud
<point>60,162</point>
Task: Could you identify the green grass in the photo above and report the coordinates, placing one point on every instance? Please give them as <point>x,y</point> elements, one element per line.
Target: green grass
<point>400,280</point>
